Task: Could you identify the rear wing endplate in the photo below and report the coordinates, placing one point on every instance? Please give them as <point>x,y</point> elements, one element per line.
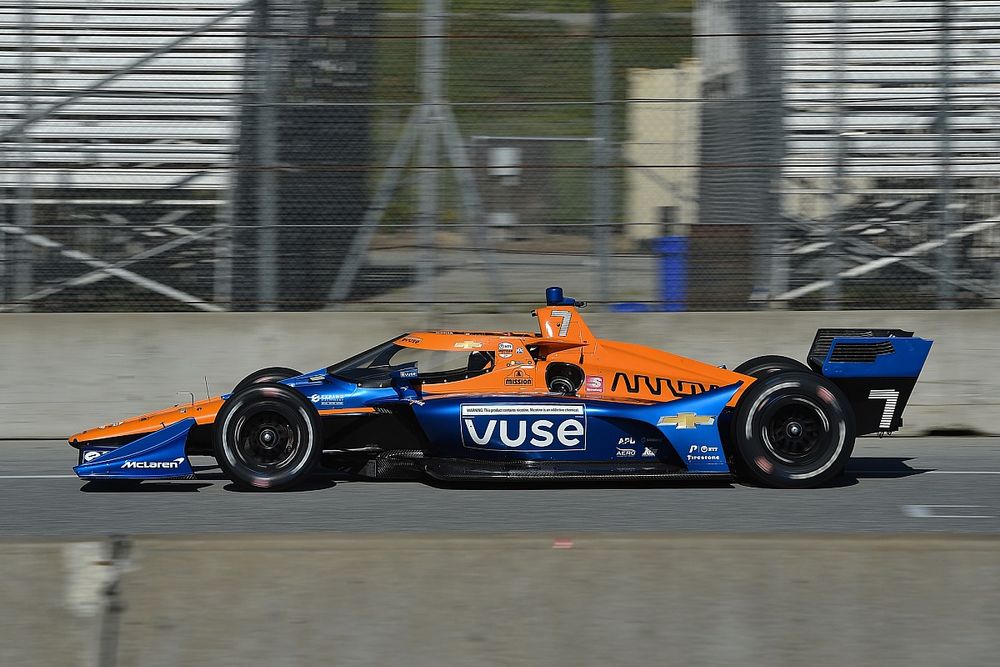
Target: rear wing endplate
<point>876,368</point>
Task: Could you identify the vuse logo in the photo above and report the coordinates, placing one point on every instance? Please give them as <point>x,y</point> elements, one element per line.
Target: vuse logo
<point>531,428</point>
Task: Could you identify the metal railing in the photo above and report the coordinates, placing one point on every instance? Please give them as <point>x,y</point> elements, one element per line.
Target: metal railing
<point>463,155</point>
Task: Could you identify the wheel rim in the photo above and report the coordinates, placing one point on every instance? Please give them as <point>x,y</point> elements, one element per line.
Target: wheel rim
<point>796,431</point>
<point>561,386</point>
<point>267,440</point>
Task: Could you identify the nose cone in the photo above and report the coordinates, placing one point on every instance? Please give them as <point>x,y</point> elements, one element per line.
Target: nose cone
<point>203,412</point>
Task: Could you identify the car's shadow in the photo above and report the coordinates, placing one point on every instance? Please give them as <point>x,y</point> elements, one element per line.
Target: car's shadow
<point>869,467</point>
<point>881,467</point>
<point>138,486</point>
<point>312,483</point>
<point>859,468</point>
<point>486,485</point>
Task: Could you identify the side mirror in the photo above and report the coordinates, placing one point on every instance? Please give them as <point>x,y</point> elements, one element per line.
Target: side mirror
<point>404,377</point>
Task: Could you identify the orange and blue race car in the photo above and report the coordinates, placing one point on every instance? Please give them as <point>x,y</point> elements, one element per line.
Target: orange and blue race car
<point>556,404</point>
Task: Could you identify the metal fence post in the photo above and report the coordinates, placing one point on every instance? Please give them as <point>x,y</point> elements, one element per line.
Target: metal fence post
<point>3,260</point>
<point>267,184</point>
<point>836,223</point>
<point>747,138</point>
<point>757,139</point>
<point>946,259</point>
<point>223,276</point>
<point>23,278</point>
<point>777,249</point>
<point>432,57</point>
<point>602,149</point>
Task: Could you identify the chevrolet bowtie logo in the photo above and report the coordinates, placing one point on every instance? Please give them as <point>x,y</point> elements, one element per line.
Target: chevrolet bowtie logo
<point>686,420</point>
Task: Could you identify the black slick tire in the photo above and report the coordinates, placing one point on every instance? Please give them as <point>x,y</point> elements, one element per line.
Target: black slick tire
<point>273,374</point>
<point>267,436</point>
<point>793,429</point>
<point>759,367</point>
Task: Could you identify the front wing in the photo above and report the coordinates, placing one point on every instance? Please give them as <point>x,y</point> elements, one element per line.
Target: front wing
<point>159,455</point>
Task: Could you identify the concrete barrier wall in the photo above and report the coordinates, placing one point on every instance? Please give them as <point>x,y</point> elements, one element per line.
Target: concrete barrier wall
<point>431,601</point>
<point>64,373</point>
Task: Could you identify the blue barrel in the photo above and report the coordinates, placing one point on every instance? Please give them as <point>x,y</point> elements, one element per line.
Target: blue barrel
<point>673,252</point>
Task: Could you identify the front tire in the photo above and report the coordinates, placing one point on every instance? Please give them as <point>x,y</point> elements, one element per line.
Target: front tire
<point>267,436</point>
<point>793,430</point>
<point>273,374</point>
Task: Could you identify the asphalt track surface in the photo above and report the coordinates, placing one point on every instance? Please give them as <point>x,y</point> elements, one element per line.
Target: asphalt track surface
<point>892,485</point>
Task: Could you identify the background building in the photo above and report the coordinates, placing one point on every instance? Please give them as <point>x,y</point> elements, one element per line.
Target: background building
<point>664,131</point>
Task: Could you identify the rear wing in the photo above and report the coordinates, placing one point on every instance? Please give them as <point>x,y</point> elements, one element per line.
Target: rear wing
<point>876,368</point>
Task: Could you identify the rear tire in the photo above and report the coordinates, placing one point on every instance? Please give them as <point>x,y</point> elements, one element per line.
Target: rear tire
<point>267,436</point>
<point>793,430</point>
<point>759,367</point>
<point>273,374</point>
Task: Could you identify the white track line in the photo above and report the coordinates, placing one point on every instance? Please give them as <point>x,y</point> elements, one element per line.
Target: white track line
<point>927,512</point>
<point>928,472</point>
<point>38,477</point>
<point>862,472</point>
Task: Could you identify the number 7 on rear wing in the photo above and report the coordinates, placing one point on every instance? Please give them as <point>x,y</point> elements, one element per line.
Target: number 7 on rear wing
<point>876,368</point>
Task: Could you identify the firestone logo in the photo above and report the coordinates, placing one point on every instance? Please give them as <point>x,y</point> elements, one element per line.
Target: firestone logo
<point>703,453</point>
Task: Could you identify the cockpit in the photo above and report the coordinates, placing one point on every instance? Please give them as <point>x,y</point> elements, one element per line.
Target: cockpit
<point>375,367</point>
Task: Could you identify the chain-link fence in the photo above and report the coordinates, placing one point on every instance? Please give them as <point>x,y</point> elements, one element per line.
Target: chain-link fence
<point>465,154</point>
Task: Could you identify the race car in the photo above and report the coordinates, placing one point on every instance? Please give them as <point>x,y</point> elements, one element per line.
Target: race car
<point>557,404</point>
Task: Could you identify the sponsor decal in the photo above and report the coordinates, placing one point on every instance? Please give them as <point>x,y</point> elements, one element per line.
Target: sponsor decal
<point>626,441</point>
<point>647,452</point>
<point>91,455</point>
<point>468,345</point>
<point>624,451</point>
<point>159,465</point>
<point>529,428</point>
<point>518,379</point>
<point>410,340</point>
<point>333,399</point>
<point>686,420</point>
<point>407,373</point>
<point>703,453</point>
<point>520,350</point>
<point>505,350</point>
<point>594,384</point>
<point>634,384</point>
